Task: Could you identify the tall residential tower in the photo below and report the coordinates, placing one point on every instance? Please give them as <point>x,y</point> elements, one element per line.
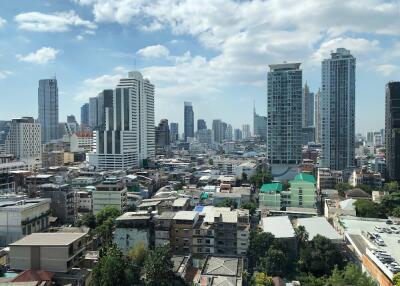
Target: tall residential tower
<point>48,109</point>
<point>188,121</point>
<point>338,110</point>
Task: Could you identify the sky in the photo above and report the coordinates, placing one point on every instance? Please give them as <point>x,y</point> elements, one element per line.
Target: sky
<point>214,53</point>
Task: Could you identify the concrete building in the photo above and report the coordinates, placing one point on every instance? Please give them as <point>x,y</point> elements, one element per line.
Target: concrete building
<point>284,116</point>
<point>303,191</point>
<point>48,109</point>
<point>128,139</point>
<point>201,124</point>
<point>174,129</point>
<point>63,201</point>
<point>308,107</point>
<point>162,228</point>
<point>182,231</point>
<point>55,252</point>
<point>132,229</point>
<point>317,116</point>
<point>85,115</point>
<point>81,141</point>
<point>84,201</point>
<point>237,135</point>
<point>392,131</point>
<point>260,125</point>
<point>188,121</point>
<point>93,109</point>
<point>338,110</point>
<point>162,136</point>
<point>20,218</point>
<point>246,131</point>
<point>24,141</point>
<point>205,136</point>
<point>111,192</point>
<point>364,176</point>
<point>218,131</point>
<point>228,136</point>
<point>328,179</point>
<point>221,270</point>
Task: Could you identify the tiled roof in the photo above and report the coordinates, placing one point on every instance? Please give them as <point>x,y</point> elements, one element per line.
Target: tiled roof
<point>272,187</point>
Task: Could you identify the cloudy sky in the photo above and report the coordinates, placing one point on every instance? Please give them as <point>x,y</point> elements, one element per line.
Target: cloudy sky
<point>214,53</point>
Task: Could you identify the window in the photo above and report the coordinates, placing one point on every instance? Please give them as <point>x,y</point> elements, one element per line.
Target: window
<point>199,240</point>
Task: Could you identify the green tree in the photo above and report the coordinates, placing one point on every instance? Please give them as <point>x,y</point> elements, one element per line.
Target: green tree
<point>275,263</point>
<point>251,206</point>
<point>158,267</point>
<point>228,203</point>
<point>390,202</point>
<point>113,268</point>
<point>89,220</point>
<point>262,279</point>
<point>138,254</point>
<point>260,178</point>
<point>210,161</point>
<point>105,230</point>
<point>260,242</point>
<point>367,208</point>
<point>319,257</point>
<point>301,235</point>
<point>342,188</point>
<point>106,213</point>
<point>365,188</point>
<point>351,275</point>
<point>396,211</point>
<point>396,279</point>
<point>390,187</point>
<point>311,280</point>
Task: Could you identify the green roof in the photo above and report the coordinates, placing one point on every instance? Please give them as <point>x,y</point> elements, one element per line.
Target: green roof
<point>272,187</point>
<point>204,196</point>
<point>305,177</point>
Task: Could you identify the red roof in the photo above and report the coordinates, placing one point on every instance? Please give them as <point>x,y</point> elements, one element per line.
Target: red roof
<point>33,275</point>
<point>84,134</point>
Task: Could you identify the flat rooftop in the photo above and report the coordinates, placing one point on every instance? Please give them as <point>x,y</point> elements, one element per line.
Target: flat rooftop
<point>279,226</point>
<point>319,225</point>
<point>185,215</point>
<point>48,239</point>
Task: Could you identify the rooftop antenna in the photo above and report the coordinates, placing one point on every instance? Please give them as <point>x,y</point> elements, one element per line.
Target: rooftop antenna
<point>254,106</point>
<point>135,63</point>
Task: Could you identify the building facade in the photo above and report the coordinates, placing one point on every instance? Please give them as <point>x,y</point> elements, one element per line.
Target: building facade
<point>308,107</point>
<point>260,125</point>
<point>162,134</point>
<point>284,114</point>
<point>174,129</point>
<point>24,141</point>
<point>392,131</point>
<point>201,124</point>
<point>85,115</point>
<point>188,121</point>
<point>338,110</point>
<point>48,109</point>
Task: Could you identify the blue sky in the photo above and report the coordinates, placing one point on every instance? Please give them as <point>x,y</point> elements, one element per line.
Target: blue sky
<point>214,53</point>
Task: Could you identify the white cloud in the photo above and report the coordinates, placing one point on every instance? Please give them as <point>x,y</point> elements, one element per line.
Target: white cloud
<point>92,86</point>
<point>4,74</point>
<point>41,56</point>
<point>57,22</point>
<point>387,69</point>
<point>156,51</point>
<point>2,22</point>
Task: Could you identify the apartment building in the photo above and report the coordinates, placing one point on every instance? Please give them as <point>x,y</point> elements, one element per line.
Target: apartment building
<point>162,228</point>
<point>181,234</point>
<point>328,179</point>
<point>55,252</point>
<point>365,177</point>
<point>111,192</point>
<point>20,218</point>
<point>82,142</point>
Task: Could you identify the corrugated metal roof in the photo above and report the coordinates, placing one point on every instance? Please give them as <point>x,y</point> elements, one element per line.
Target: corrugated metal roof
<point>272,187</point>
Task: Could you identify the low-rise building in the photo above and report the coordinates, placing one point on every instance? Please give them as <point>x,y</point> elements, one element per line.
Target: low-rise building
<point>365,177</point>
<point>182,231</point>
<point>20,218</point>
<point>328,179</point>
<point>303,191</point>
<point>111,192</point>
<point>55,252</point>
<point>81,142</point>
<point>270,196</point>
<point>162,228</point>
<point>84,201</point>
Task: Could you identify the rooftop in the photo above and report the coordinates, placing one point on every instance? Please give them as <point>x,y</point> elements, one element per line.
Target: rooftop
<point>272,187</point>
<point>48,239</point>
<point>279,226</point>
<point>305,177</point>
<point>318,226</point>
<point>185,215</point>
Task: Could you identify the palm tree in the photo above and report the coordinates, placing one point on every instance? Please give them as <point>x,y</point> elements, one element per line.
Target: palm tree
<point>301,235</point>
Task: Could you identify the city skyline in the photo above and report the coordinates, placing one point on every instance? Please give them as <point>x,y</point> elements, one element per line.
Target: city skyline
<point>89,46</point>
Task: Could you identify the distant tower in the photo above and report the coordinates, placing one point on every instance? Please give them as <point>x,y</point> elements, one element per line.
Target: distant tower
<point>338,110</point>
<point>48,109</point>
<point>85,115</point>
<point>201,124</point>
<point>308,107</point>
<point>188,121</point>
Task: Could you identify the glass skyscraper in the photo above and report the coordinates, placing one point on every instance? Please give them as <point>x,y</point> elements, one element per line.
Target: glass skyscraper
<point>48,109</point>
<point>188,121</point>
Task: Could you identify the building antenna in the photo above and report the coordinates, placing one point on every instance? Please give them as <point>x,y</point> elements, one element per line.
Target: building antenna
<point>135,63</point>
<point>254,106</point>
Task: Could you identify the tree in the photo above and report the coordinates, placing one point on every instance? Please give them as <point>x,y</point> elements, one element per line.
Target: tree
<point>113,269</point>
<point>262,279</point>
<point>244,177</point>
<point>351,275</point>
<point>390,202</point>
<point>396,279</point>
<point>105,230</point>
<point>158,267</point>
<point>251,206</point>
<point>301,235</point>
<point>106,213</point>
<point>275,263</point>
<point>89,220</point>
<point>392,186</point>
<point>367,208</point>
<point>210,161</point>
<point>138,254</point>
<point>228,203</point>
<point>260,242</point>
<point>311,280</point>
<point>342,188</point>
<point>319,257</point>
<point>260,178</point>
<point>396,211</point>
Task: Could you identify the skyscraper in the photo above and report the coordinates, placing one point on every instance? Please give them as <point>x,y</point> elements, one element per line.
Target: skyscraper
<point>93,109</point>
<point>217,130</point>
<point>162,134</point>
<point>85,115</point>
<point>237,134</point>
<point>24,141</point>
<point>128,138</point>
<point>338,110</point>
<point>246,131</point>
<point>174,129</point>
<point>317,116</point>
<point>308,107</point>
<point>284,136</point>
<point>48,109</point>
<point>104,101</point>
<point>229,133</point>
<point>259,125</point>
<point>201,124</point>
<point>392,130</point>
<point>188,121</point>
